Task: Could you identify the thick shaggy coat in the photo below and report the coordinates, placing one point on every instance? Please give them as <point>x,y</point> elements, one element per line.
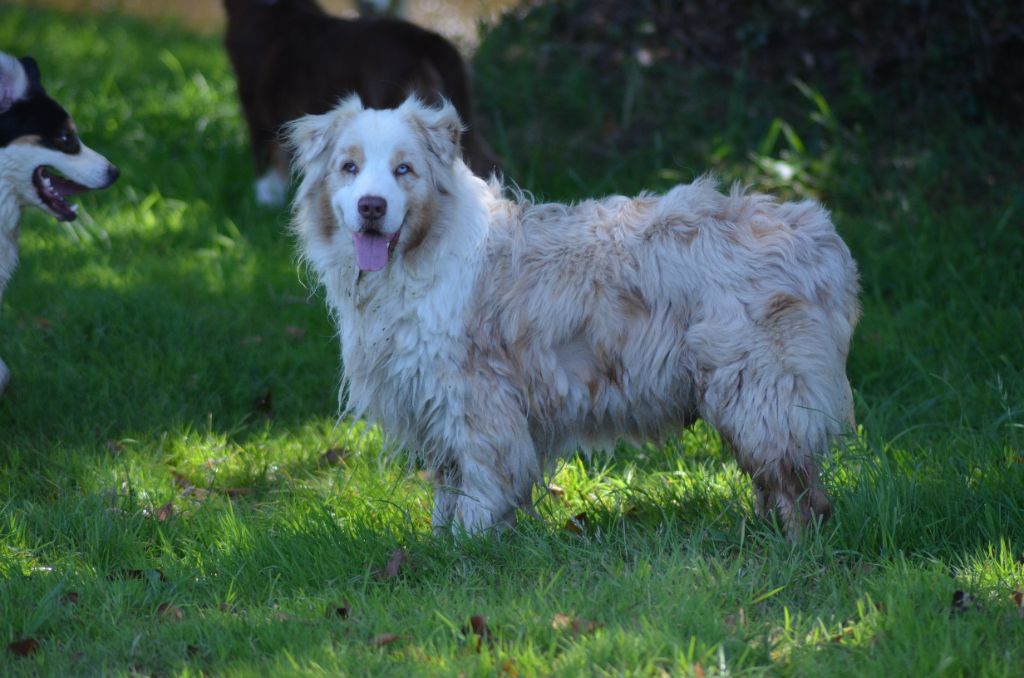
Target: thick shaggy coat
<point>491,335</point>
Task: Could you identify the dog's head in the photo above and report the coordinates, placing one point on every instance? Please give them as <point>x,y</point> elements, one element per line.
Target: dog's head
<point>377,175</point>
<point>42,160</point>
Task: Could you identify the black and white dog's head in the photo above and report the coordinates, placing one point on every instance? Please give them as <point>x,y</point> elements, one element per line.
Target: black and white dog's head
<point>42,160</point>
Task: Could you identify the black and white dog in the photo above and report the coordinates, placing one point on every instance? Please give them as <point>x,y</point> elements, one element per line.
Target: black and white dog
<point>38,140</point>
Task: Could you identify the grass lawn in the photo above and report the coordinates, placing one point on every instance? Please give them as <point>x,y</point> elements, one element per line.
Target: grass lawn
<point>177,496</point>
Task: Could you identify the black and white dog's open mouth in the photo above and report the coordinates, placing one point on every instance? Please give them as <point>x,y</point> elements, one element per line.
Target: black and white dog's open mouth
<point>53,190</point>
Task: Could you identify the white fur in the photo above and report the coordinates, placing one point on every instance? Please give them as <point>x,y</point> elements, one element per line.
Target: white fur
<point>503,334</point>
<point>272,188</point>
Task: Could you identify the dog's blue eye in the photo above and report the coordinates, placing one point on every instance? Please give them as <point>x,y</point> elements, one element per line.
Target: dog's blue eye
<point>349,167</point>
<point>402,169</point>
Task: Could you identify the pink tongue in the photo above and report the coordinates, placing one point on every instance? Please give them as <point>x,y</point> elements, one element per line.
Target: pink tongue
<point>371,250</point>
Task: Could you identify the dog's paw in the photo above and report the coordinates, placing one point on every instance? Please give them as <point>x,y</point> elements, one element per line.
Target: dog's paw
<point>271,189</point>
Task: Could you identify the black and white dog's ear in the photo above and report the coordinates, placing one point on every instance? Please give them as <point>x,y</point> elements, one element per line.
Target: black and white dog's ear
<point>32,71</point>
<point>441,127</point>
<point>14,80</point>
<point>308,137</point>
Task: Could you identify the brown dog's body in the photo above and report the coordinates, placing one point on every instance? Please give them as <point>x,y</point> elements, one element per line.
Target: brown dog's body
<point>291,58</point>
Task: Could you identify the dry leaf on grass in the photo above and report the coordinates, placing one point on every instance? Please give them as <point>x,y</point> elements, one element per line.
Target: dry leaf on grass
<point>23,647</point>
<point>169,612</point>
<point>70,598</point>
<point>234,492</point>
<point>478,627</point>
<point>165,512</point>
<point>562,622</point>
<point>556,491</point>
<point>333,456</point>
<point>577,524</point>
<point>395,562</point>
<point>383,639</point>
<point>341,611</point>
<point>295,332</point>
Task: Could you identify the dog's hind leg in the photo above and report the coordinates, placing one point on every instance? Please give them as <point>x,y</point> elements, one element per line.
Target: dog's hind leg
<point>779,423</point>
<point>272,187</point>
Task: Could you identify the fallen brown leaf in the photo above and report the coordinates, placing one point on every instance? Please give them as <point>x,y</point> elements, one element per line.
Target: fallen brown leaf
<point>41,323</point>
<point>165,511</point>
<point>478,627</point>
<point>169,612</point>
<point>70,598</point>
<point>509,668</point>
<point>333,456</point>
<point>562,622</point>
<point>23,647</point>
<point>295,332</point>
<point>394,566</point>
<point>339,611</point>
<point>384,639</point>
<point>556,491</point>
<point>577,524</point>
<point>238,491</point>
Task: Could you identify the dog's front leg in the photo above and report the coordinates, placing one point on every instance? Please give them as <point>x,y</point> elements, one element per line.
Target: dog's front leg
<point>484,482</point>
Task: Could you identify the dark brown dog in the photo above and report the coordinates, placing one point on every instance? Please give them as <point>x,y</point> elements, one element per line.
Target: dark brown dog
<point>291,58</point>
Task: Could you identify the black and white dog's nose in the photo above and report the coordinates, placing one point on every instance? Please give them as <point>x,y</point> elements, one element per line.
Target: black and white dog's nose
<point>372,207</point>
<point>112,174</point>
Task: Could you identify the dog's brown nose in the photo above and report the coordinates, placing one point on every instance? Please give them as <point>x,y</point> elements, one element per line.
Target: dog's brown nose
<point>372,207</point>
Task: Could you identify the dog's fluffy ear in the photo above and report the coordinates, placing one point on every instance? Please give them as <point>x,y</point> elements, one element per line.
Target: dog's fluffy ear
<point>14,81</point>
<point>308,137</point>
<point>441,127</point>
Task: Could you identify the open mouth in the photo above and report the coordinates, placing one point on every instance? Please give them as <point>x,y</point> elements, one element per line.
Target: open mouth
<point>374,248</point>
<point>53,191</point>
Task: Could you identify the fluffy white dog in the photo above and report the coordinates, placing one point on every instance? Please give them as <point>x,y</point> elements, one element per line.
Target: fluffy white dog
<point>489,335</point>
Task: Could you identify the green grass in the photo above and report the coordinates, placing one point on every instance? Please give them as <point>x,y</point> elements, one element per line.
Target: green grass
<point>142,338</point>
